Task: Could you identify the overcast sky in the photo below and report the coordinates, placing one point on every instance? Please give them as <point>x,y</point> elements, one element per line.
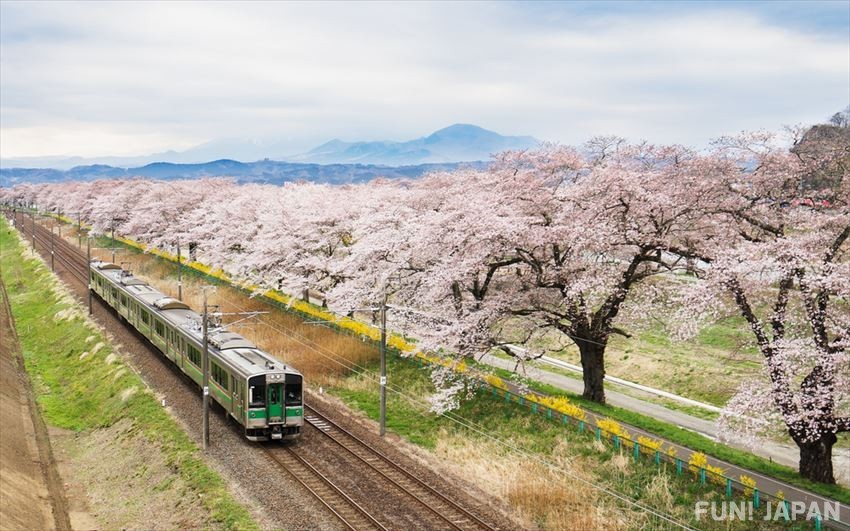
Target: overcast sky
<point>121,78</point>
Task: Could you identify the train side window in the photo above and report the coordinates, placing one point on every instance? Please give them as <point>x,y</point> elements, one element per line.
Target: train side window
<point>194,356</point>
<point>146,317</point>
<point>159,328</point>
<point>220,376</point>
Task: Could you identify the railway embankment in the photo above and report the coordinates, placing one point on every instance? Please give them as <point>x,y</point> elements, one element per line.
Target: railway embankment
<point>124,461</point>
<point>31,495</point>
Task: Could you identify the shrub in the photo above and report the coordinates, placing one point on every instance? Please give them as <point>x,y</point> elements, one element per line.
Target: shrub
<point>648,445</point>
<point>749,485</point>
<point>713,473</point>
<point>611,427</point>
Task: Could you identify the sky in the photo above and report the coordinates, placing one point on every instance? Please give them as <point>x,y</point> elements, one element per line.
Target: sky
<point>122,78</point>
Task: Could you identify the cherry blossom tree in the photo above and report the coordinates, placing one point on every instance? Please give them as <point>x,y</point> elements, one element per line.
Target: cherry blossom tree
<point>779,252</point>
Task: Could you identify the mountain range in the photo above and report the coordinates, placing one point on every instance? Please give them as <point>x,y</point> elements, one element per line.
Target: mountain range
<point>456,143</point>
<point>263,171</point>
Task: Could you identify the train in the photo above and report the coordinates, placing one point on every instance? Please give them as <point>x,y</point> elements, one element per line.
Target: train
<point>260,392</point>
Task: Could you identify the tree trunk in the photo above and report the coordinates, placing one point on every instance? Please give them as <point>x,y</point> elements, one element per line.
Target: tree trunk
<point>593,370</point>
<point>816,459</point>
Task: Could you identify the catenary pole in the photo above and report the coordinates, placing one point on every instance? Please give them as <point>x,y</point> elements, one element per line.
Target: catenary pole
<point>179,274</point>
<point>113,240</point>
<point>384,365</point>
<point>206,369</point>
<point>52,248</point>
<point>88,273</point>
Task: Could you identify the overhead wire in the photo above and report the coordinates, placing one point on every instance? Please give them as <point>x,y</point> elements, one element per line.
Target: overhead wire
<point>466,423</point>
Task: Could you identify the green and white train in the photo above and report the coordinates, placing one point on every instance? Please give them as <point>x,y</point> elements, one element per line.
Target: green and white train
<point>260,392</point>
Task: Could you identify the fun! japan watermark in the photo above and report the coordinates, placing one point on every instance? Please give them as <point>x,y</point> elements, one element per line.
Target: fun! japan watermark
<point>777,512</point>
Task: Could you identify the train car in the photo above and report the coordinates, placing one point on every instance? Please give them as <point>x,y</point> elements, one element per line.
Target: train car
<point>261,393</point>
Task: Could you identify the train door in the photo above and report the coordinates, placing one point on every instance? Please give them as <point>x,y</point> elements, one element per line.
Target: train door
<point>173,351</point>
<point>275,401</point>
<point>238,399</point>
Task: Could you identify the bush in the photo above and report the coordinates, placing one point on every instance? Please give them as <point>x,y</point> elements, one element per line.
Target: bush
<point>611,427</point>
<point>749,485</point>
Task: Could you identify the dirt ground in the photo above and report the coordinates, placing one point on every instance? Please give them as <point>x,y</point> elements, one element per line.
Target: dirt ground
<point>31,492</point>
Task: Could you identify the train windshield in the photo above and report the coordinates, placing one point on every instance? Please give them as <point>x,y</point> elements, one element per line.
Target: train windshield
<point>257,391</point>
<point>293,390</point>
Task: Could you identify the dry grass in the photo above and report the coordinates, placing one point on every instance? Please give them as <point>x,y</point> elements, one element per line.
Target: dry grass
<point>658,492</point>
<point>539,496</point>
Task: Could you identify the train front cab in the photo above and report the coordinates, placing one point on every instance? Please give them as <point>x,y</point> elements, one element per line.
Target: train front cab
<point>275,407</point>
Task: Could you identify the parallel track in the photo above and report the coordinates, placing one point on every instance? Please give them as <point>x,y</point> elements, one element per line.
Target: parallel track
<point>349,512</point>
<point>454,516</point>
<point>42,238</point>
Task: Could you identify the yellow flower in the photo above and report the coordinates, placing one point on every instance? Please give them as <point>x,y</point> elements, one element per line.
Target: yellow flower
<point>611,427</point>
<point>749,485</point>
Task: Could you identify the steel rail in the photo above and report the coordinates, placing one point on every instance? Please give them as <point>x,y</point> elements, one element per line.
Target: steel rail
<point>332,490</point>
<point>426,489</point>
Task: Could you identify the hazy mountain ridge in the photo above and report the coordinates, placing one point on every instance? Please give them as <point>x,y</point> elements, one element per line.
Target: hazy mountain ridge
<point>266,171</point>
<point>456,143</point>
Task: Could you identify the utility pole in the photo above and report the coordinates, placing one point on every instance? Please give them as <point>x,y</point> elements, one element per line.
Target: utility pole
<point>32,222</point>
<point>79,230</point>
<point>384,365</point>
<point>88,273</point>
<point>59,223</point>
<point>113,240</point>
<point>52,248</point>
<point>179,273</point>
<point>206,369</point>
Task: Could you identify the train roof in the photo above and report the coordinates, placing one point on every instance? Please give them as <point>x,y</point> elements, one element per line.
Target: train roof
<point>232,347</point>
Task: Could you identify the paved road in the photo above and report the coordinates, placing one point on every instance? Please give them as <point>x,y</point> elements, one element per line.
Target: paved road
<point>776,452</point>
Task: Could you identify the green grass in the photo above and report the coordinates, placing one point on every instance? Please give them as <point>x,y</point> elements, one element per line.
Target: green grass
<point>533,434</point>
<point>89,393</point>
<point>694,441</point>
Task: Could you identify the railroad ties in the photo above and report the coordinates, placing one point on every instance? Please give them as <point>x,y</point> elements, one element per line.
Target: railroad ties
<point>349,512</point>
<point>453,515</point>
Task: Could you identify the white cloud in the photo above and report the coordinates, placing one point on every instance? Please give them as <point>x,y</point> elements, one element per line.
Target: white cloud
<point>108,78</point>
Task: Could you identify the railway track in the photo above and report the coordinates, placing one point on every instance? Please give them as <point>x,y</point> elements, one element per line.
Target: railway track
<point>350,513</point>
<point>449,512</point>
<point>55,247</point>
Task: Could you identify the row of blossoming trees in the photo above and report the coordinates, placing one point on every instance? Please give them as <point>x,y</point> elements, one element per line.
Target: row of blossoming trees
<point>556,241</point>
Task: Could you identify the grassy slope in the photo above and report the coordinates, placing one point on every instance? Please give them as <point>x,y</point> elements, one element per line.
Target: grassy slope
<point>697,442</point>
<point>538,439</point>
<point>708,368</point>
<point>98,390</point>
